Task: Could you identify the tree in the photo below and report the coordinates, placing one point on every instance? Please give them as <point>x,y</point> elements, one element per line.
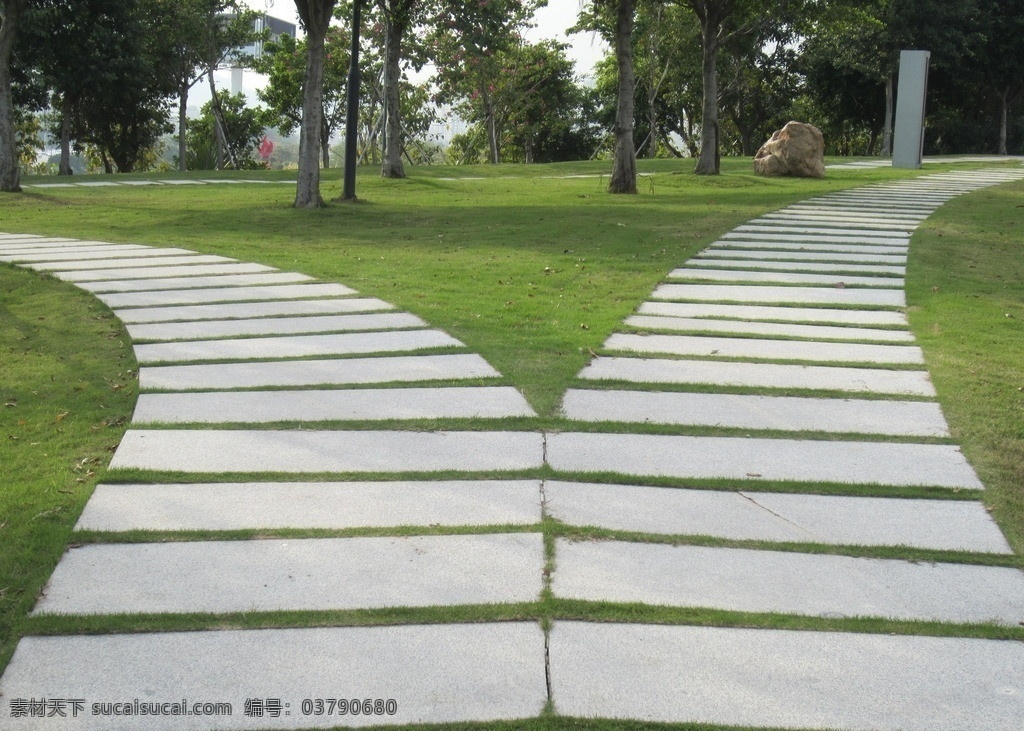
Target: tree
<point>196,37</point>
<point>284,64</point>
<point>465,40</point>
<point>316,17</point>
<point>1000,59</point>
<point>244,128</point>
<point>398,16</point>
<point>10,15</point>
<point>623,179</point>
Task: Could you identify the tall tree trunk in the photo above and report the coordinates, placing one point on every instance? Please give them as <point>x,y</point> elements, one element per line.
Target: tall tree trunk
<point>183,126</point>
<point>1004,120</point>
<point>491,123</point>
<point>392,165</point>
<point>708,162</point>
<point>890,94</point>
<point>624,162</point>
<point>315,15</point>
<point>10,173</point>
<point>325,141</point>
<point>66,109</point>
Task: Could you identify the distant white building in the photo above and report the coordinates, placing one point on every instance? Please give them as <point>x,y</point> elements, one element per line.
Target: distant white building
<point>277,28</point>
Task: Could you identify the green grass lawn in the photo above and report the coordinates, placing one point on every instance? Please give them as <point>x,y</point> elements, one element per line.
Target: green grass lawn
<point>530,270</point>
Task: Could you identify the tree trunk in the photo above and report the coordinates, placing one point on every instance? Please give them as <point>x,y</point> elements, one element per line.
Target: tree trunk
<point>1004,121</point>
<point>325,141</point>
<point>652,121</point>
<point>315,17</point>
<point>64,167</point>
<point>10,172</point>
<point>491,123</point>
<point>182,126</point>
<point>890,93</point>
<point>392,165</point>
<point>624,162</point>
<point>708,162</point>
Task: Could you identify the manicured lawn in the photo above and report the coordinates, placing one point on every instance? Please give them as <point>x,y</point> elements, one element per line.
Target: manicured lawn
<point>533,272</point>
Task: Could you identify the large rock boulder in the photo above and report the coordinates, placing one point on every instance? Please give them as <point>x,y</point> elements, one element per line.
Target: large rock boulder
<point>798,149</point>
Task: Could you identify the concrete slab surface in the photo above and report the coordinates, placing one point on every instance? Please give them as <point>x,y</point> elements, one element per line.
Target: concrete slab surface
<point>359,404</point>
<point>294,346</point>
<point>760,375</point>
<point>793,266</point>
<point>781,329</point>
<point>953,525</point>
<point>786,679</point>
<point>768,313</point>
<point>305,452</point>
<point>100,256</point>
<point>316,372</point>
<point>296,574</point>
<point>762,255</point>
<point>853,463</point>
<point>247,310</point>
<point>819,585</point>
<point>794,245</point>
<point>118,300</point>
<point>744,411</point>
<point>203,329</point>
<point>86,274</point>
<point>311,505</point>
<point>876,224</point>
<point>754,294</point>
<point>434,673</point>
<point>193,282</point>
<point>725,347</point>
<point>783,277</point>
<point>129,260</point>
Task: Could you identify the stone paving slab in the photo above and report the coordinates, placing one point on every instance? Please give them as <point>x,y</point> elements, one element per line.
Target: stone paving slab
<point>767,294</point>
<point>755,231</point>
<point>952,525</point>
<point>7,239</point>
<point>819,585</point>
<point>791,245</point>
<point>255,407</point>
<point>126,262</point>
<point>294,346</point>
<point>728,347</point>
<point>777,277</point>
<point>435,673</point>
<point>248,310</point>
<point>785,679</point>
<point>854,208</point>
<point>305,452</point>
<point>761,264</point>
<point>881,225</point>
<point>199,271</point>
<point>778,314</point>
<point>62,257</point>
<point>316,372</point>
<point>203,329</point>
<point>760,226</point>
<point>760,375</point>
<point>296,574</point>
<point>117,300</point>
<point>857,214</point>
<point>743,411</point>
<point>775,255</point>
<point>196,282</point>
<point>819,332</point>
<point>311,505</point>
<point>853,463</point>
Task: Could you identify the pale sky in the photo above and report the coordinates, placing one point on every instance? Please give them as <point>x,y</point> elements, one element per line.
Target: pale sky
<point>585,49</point>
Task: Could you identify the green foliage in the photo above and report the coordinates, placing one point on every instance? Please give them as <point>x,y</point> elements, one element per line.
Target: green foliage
<point>244,127</point>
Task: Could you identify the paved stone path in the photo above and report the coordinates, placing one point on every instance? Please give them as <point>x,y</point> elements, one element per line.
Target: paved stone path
<point>270,401</point>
